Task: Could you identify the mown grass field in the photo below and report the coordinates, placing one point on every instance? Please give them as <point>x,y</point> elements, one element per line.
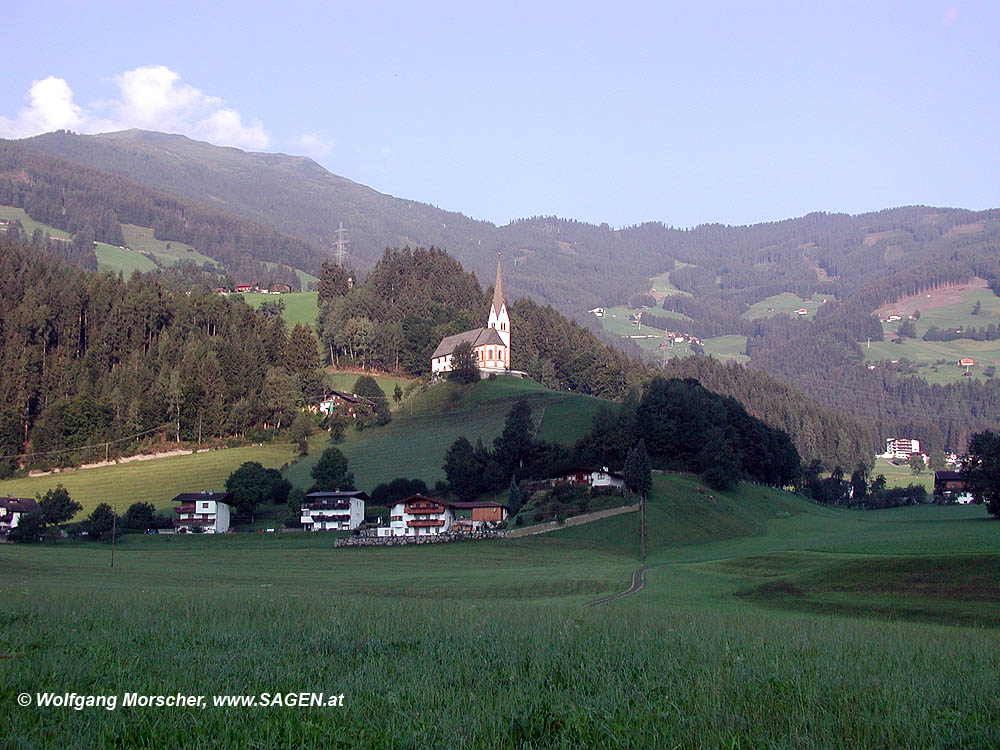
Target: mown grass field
<point>155,481</point>
<point>766,621</point>
<point>902,475</point>
<point>300,307</point>
<point>617,320</point>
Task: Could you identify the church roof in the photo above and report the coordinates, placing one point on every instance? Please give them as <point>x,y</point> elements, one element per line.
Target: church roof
<point>498,298</point>
<point>476,337</point>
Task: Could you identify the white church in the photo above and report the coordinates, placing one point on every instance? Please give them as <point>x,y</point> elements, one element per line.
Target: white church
<point>490,345</point>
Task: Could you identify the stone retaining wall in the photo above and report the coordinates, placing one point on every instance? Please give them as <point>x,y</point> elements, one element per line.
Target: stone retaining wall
<point>387,541</point>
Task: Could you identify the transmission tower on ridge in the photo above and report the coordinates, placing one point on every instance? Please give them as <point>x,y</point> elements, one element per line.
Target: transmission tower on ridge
<point>339,252</point>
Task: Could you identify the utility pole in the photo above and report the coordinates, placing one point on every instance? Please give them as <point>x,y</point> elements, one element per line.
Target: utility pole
<point>340,253</point>
<point>642,526</point>
<point>114,529</point>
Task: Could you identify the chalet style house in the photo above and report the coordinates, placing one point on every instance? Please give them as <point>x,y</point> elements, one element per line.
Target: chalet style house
<point>490,345</point>
<point>335,400</point>
<point>208,511</point>
<point>333,511</point>
<point>950,486</point>
<point>12,510</point>
<point>418,515</point>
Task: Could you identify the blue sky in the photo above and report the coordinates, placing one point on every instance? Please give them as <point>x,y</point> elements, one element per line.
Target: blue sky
<point>620,113</point>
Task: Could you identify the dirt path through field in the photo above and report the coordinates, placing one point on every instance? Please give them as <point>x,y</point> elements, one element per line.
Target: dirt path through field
<point>638,583</point>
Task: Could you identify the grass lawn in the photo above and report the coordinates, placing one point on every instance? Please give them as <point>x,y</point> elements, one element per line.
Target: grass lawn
<point>155,481</point>
<point>787,303</point>
<point>900,476</point>
<point>766,621</point>
<point>300,307</point>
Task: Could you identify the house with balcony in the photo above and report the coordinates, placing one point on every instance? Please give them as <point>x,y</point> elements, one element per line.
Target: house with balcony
<point>418,515</point>
<point>333,511</point>
<point>12,510</point>
<point>208,511</point>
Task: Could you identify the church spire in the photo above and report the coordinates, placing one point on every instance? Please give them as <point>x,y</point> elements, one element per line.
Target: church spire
<point>499,317</point>
<point>498,298</point>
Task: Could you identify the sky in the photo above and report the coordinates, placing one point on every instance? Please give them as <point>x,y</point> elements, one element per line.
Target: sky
<point>685,113</point>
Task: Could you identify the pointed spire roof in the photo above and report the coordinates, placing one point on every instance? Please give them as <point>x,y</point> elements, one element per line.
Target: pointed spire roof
<point>498,298</point>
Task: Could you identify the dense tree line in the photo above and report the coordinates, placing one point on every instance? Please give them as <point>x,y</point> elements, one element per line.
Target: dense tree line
<point>91,358</point>
<point>683,426</point>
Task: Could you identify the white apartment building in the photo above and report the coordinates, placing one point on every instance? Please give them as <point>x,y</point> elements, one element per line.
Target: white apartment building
<point>208,510</point>
<point>333,511</point>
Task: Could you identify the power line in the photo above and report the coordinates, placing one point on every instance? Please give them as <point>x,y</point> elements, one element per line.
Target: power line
<point>87,447</point>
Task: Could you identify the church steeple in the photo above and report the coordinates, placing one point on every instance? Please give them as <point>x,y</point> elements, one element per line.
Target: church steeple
<point>499,319</point>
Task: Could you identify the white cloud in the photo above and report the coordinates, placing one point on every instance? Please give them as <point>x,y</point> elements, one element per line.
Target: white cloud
<point>51,108</point>
<point>150,97</point>
<point>314,145</point>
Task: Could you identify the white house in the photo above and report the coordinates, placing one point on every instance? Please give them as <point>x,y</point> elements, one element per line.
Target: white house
<point>334,511</point>
<point>418,515</point>
<point>209,511</point>
<point>13,509</point>
<point>605,478</point>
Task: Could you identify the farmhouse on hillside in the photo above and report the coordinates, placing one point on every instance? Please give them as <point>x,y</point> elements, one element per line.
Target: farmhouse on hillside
<point>12,510</point>
<point>335,399</point>
<point>208,511</point>
<point>581,477</point>
<point>490,345</point>
<point>333,511</point>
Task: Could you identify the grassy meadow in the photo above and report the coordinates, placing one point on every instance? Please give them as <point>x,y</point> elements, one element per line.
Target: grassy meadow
<point>786,303</point>
<point>155,481</point>
<point>300,307</point>
<point>928,354</point>
<point>766,621</point>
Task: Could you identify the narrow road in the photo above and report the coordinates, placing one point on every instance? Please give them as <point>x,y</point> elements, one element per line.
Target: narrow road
<point>638,582</point>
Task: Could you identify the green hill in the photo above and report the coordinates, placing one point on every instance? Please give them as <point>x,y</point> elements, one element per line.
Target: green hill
<point>413,445</point>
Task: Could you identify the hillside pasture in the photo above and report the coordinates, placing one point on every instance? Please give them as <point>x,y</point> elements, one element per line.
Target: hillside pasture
<point>414,444</point>
<point>300,307</point>
<point>115,259</point>
<point>785,303</point>
<point>926,354</point>
<point>661,286</point>
<point>155,481</point>
<point>30,225</point>
<point>167,253</point>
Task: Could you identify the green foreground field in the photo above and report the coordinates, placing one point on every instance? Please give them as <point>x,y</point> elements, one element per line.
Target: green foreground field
<point>766,621</point>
